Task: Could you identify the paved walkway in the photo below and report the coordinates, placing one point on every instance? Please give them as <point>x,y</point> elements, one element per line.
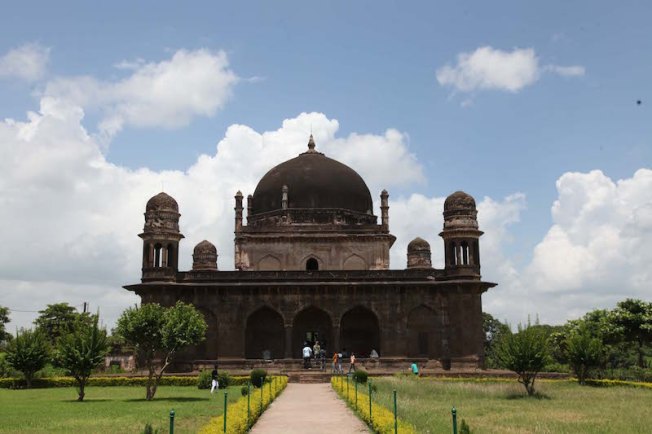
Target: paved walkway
<point>313,408</point>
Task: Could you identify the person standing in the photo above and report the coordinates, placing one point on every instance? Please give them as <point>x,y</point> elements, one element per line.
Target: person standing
<point>214,382</point>
<point>352,363</point>
<point>307,352</point>
<point>335,360</point>
<point>316,351</point>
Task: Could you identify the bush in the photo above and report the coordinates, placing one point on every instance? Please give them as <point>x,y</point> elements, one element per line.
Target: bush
<point>5,368</point>
<point>149,429</point>
<point>204,379</point>
<point>15,383</point>
<point>244,390</point>
<point>257,377</point>
<point>464,428</point>
<point>360,376</point>
<point>224,380</point>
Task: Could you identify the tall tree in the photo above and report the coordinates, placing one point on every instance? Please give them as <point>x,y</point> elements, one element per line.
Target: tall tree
<point>525,353</point>
<point>4,319</point>
<point>633,318</point>
<point>56,320</point>
<point>28,353</point>
<point>493,331</point>
<point>81,350</point>
<point>584,351</point>
<point>160,332</point>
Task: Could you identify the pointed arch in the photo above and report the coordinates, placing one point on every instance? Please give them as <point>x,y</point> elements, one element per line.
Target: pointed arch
<point>354,262</point>
<point>423,333</point>
<point>360,331</point>
<point>309,325</point>
<point>264,334</point>
<point>269,263</point>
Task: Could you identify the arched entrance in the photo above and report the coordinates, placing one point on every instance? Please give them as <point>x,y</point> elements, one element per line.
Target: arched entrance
<point>265,335</point>
<point>310,325</point>
<point>359,332</point>
<point>423,334</point>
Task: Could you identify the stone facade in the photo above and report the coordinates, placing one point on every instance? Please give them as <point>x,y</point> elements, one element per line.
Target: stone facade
<point>312,263</point>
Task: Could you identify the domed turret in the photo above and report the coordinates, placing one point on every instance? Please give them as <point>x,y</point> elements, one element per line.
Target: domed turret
<point>418,254</point>
<point>161,237</point>
<point>162,201</point>
<point>204,256</point>
<point>461,236</point>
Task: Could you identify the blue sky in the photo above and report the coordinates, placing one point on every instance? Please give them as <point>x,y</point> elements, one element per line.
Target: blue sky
<point>548,89</point>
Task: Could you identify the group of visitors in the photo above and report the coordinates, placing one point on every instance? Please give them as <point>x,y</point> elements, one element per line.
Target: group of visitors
<point>316,352</point>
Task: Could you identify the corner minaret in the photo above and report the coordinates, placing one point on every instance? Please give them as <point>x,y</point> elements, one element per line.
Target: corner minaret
<point>461,237</point>
<point>161,238</point>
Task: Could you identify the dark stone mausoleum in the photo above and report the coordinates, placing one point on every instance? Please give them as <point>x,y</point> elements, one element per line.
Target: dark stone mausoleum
<point>312,263</point>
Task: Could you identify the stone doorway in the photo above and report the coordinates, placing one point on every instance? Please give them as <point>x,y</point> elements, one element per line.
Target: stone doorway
<point>265,335</point>
<point>309,325</point>
<point>423,333</point>
<point>359,332</point>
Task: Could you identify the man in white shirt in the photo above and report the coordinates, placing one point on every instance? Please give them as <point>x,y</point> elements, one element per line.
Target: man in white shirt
<point>307,353</point>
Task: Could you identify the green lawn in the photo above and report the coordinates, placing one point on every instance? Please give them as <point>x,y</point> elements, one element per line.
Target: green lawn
<point>502,408</point>
<point>108,409</point>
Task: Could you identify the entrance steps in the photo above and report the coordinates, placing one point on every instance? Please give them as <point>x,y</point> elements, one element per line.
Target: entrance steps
<point>309,376</point>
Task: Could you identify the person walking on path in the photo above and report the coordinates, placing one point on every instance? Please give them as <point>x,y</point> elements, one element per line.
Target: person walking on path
<point>307,352</point>
<point>214,382</point>
<point>352,363</point>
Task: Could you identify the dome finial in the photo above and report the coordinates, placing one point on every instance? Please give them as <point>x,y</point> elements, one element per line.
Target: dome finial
<point>311,144</point>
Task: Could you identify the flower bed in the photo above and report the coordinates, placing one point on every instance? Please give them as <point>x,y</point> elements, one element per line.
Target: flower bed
<point>238,419</point>
<point>381,419</point>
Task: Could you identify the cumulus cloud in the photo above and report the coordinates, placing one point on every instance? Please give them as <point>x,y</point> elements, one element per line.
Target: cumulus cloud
<point>27,62</point>
<point>595,254</point>
<point>167,94</point>
<point>488,68</point>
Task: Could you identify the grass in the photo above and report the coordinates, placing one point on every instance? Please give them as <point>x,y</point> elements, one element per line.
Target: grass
<point>502,407</point>
<point>109,409</point>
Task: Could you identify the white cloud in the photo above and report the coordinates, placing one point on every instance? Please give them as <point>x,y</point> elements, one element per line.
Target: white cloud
<point>567,71</point>
<point>488,68</point>
<point>27,62</point>
<point>595,254</point>
<point>167,94</point>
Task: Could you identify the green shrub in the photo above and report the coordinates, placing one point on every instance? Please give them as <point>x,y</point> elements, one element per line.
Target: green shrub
<point>5,368</point>
<point>257,377</point>
<point>224,380</point>
<point>360,376</point>
<point>149,429</point>
<point>204,379</point>
<point>464,428</point>
<point>16,383</point>
<point>244,390</point>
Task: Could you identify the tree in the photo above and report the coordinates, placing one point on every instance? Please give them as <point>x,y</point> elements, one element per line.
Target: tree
<point>4,319</point>
<point>57,319</point>
<point>583,351</point>
<point>81,350</point>
<point>28,353</point>
<point>633,318</point>
<point>156,331</point>
<point>493,331</point>
<point>525,353</point>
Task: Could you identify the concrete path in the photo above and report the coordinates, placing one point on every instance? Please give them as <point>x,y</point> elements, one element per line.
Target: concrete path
<point>308,408</point>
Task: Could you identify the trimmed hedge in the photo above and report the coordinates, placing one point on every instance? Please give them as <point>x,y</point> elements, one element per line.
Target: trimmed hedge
<point>236,417</point>
<point>381,420</point>
<point>19,383</point>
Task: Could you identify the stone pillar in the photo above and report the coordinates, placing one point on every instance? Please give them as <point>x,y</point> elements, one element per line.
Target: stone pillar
<point>238,212</point>
<point>284,197</point>
<point>250,206</point>
<point>384,210</point>
<point>336,338</point>
<point>288,341</point>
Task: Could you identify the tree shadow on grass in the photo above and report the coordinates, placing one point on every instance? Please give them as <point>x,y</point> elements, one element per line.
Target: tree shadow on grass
<point>537,395</point>
<point>171,399</point>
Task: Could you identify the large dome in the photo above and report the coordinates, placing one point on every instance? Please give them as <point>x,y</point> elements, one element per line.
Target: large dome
<point>313,181</point>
